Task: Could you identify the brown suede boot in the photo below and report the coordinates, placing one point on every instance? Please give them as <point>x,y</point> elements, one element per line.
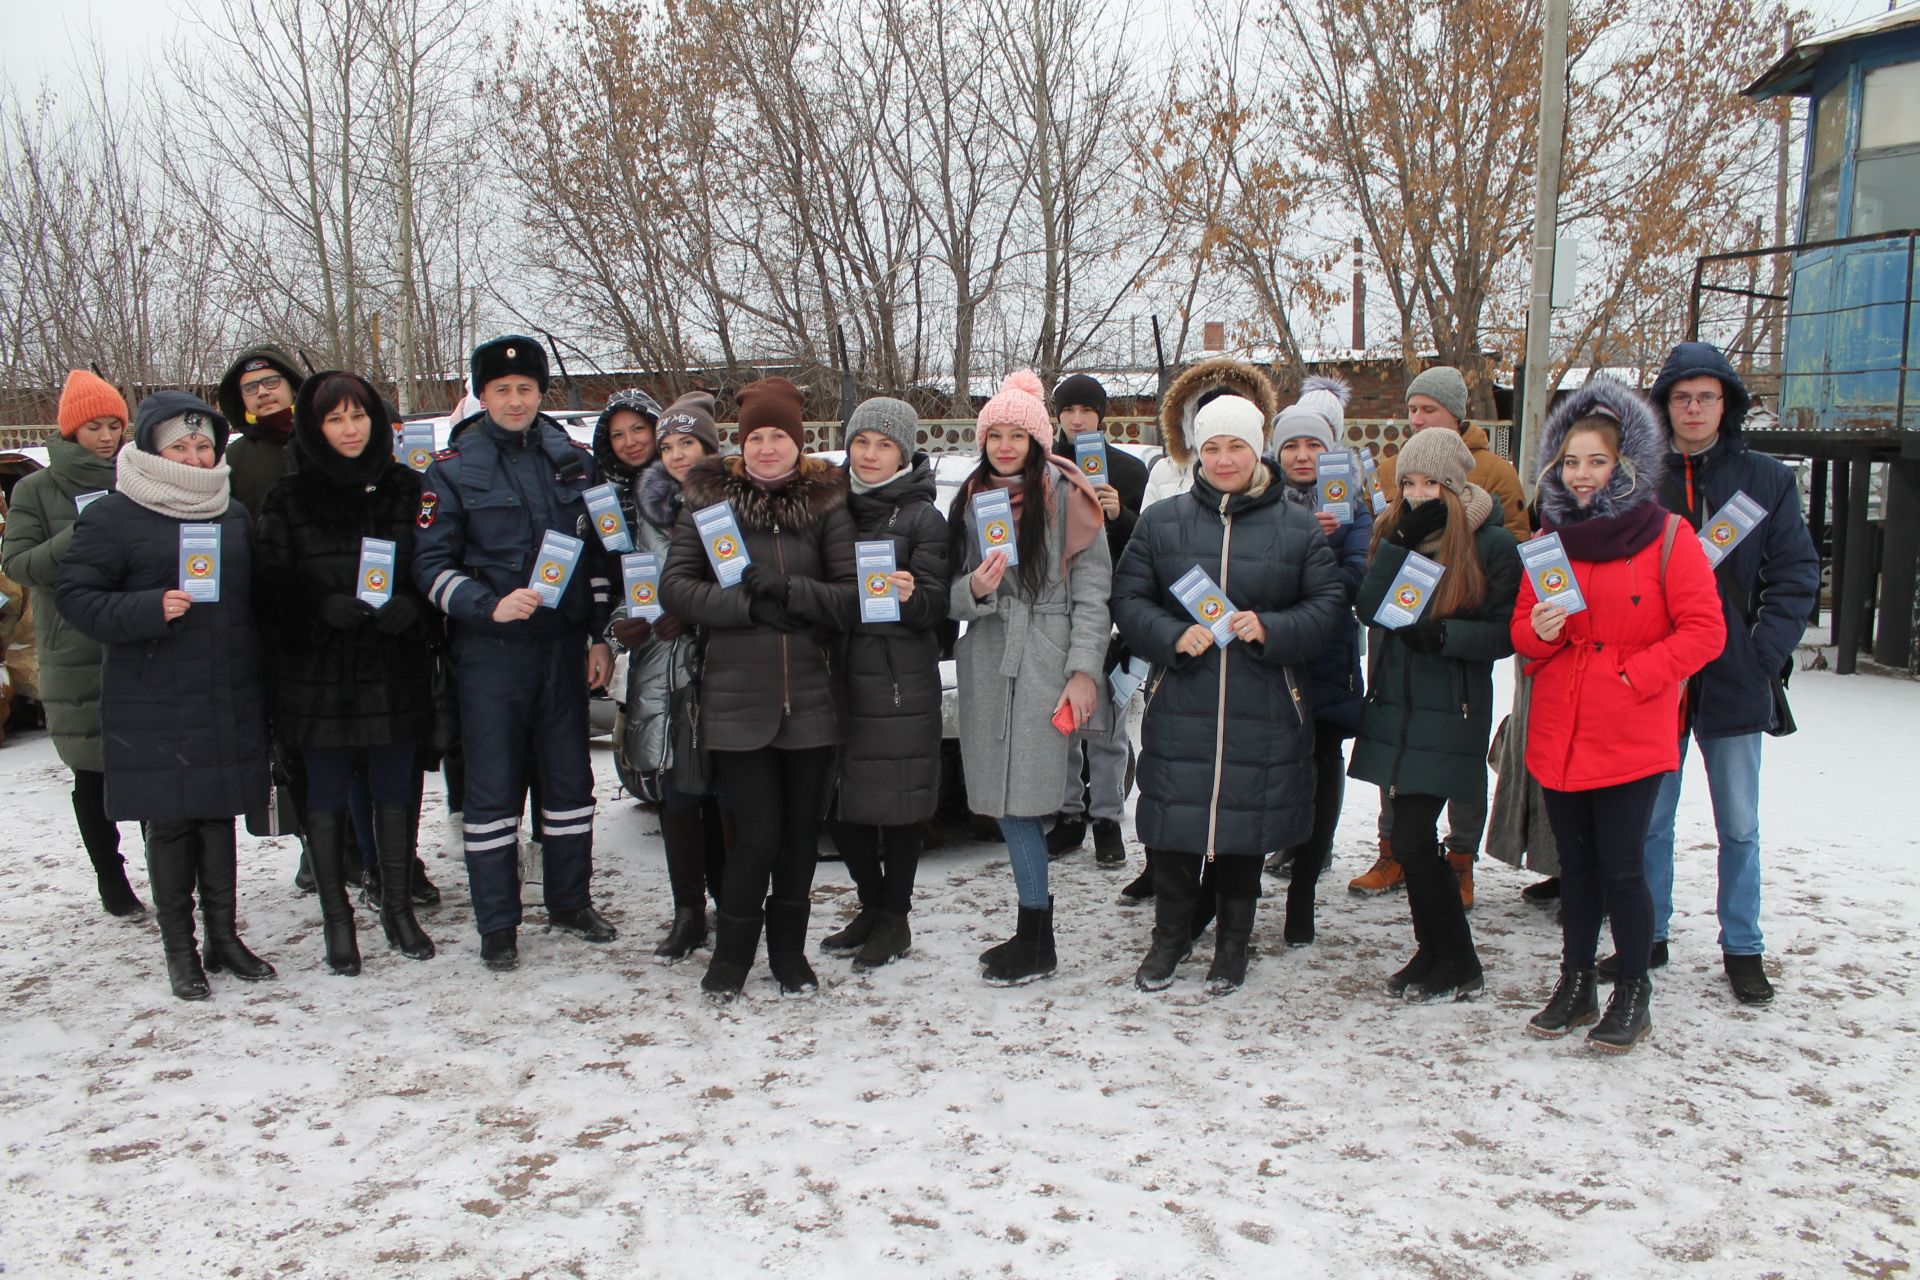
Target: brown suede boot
<point>1462,864</point>
<point>1384,875</point>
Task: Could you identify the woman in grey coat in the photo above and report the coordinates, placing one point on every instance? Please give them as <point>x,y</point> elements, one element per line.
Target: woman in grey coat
<point>1029,661</point>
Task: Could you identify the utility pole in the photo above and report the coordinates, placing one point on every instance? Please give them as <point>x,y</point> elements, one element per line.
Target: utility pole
<point>1359,300</point>
<point>1546,217</point>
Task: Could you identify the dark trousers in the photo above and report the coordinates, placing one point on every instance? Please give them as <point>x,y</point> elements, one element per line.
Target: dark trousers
<point>330,772</point>
<point>521,695</point>
<point>1433,894</point>
<point>882,861</point>
<point>1233,876</point>
<point>1329,790</point>
<point>777,801</point>
<point>1602,836</point>
<point>98,832</point>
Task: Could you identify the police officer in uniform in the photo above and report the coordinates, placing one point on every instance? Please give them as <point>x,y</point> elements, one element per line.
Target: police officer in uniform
<point>511,475</point>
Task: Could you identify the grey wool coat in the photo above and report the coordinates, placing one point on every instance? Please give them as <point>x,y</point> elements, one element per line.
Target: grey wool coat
<point>1013,661</point>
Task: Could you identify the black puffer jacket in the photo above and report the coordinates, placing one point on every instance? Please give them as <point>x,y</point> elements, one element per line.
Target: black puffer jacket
<point>329,687</point>
<point>761,686</point>
<point>1226,762</point>
<point>183,733</point>
<point>890,767</point>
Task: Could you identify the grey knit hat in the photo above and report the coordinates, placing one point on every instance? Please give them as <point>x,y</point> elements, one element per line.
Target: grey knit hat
<point>1319,414</point>
<point>1444,384</point>
<point>894,419</point>
<point>1439,454</point>
<point>691,415</point>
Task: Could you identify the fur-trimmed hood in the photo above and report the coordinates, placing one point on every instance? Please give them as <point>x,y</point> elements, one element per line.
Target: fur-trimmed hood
<point>1235,377</point>
<point>658,497</point>
<point>1643,452</point>
<point>817,489</point>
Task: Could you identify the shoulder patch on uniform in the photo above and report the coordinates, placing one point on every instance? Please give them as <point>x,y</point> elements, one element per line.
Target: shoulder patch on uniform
<point>584,448</point>
<point>448,452</point>
<point>429,508</point>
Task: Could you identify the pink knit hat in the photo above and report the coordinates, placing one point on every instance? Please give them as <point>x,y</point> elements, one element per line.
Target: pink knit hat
<point>1020,402</point>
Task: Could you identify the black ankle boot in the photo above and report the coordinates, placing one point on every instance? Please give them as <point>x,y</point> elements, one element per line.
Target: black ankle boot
<point>421,890</point>
<point>1628,1020</point>
<point>219,905</point>
<point>854,936</point>
<point>500,950</point>
<point>1609,969</point>
<point>1173,898</point>
<point>735,938</point>
<point>1140,889</point>
<point>1573,1004</point>
<point>891,938</point>
<point>787,946</point>
<point>101,837</point>
<point>172,868</point>
<point>1109,845</point>
<point>1032,955</point>
<point>1067,836</point>
<point>326,845</point>
<point>393,844</point>
<point>688,934</point>
<point>1232,944</point>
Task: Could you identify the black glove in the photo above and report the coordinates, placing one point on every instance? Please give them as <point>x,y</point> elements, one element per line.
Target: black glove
<point>768,613</point>
<point>397,615</point>
<point>1424,636</point>
<point>631,631</point>
<point>345,613</point>
<point>1417,524</point>
<point>669,627</point>
<point>766,584</point>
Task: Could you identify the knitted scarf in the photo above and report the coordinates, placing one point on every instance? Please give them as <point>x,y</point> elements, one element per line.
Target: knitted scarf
<point>174,489</point>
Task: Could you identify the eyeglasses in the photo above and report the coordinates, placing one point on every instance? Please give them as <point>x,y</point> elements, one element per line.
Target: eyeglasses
<point>1706,399</point>
<point>260,386</point>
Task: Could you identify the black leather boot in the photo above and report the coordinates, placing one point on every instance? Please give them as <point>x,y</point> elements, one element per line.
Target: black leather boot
<point>1140,888</point>
<point>1232,945</point>
<point>1173,898</point>
<point>735,939</point>
<point>1628,1020</point>
<point>172,869</point>
<point>1455,973</point>
<point>421,890</point>
<point>687,934</point>
<point>219,904</point>
<point>1425,953</point>
<point>1572,1004</point>
<point>787,946</point>
<point>327,845</point>
<point>1301,891</point>
<point>393,844</point>
<point>101,837</point>
<point>850,939</point>
<point>891,938</point>
<point>500,950</point>
<point>1032,955</point>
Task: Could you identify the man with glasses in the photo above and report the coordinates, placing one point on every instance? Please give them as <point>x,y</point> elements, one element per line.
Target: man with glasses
<point>256,395</point>
<point>1768,573</point>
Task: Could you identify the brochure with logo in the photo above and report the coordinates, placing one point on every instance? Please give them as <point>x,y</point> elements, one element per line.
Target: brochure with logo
<point>1206,602</point>
<point>1552,573</point>
<point>640,574</point>
<point>553,567</point>
<point>416,444</point>
<point>1370,479</point>
<point>1730,526</point>
<point>376,571</point>
<point>200,562</point>
<point>1407,599</point>
<point>720,535</point>
<point>603,504</point>
<point>993,523</point>
<point>1126,679</point>
<point>879,598</point>
<point>82,500</point>
<point>1333,473</point>
<point>1090,451</point>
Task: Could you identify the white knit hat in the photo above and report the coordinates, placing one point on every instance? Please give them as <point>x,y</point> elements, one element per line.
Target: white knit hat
<point>1234,416</point>
<point>1319,414</point>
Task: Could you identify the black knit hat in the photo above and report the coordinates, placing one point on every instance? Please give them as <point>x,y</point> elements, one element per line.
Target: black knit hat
<point>1080,389</point>
<point>503,357</point>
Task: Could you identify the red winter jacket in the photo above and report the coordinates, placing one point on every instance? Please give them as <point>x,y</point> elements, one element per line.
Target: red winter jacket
<point>1607,695</point>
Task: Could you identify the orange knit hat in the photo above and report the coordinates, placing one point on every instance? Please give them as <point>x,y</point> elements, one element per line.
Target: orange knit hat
<point>87,396</point>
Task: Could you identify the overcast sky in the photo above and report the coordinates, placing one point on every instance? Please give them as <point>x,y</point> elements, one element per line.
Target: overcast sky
<point>41,35</point>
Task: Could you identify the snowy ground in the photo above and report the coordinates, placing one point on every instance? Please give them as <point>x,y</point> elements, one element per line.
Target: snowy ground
<point>590,1116</point>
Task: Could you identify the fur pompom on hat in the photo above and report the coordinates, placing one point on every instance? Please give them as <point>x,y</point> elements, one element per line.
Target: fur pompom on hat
<point>1320,413</point>
<point>1021,402</point>
<point>1444,385</point>
<point>88,396</point>
<point>1439,454</point>
<point>1234,416</point>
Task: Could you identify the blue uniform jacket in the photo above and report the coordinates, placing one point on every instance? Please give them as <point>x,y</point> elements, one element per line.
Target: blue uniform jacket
<point>1767,582</point>
<point>485,503</point>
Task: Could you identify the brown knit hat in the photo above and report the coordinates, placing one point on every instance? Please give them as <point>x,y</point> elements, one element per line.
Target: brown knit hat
<point>772,402</point>
<point>1439,454</point>
<point>691,415</point>
<point>88,396</point>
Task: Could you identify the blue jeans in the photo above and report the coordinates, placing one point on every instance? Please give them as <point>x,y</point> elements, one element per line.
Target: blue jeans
<point>1733,782</point>
<point>1027,849</point>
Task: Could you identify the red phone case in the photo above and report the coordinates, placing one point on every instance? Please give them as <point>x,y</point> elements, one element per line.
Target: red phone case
<point>1064,720</point>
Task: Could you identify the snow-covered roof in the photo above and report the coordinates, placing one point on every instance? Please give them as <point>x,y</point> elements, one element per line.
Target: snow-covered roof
<point>1793,73</point>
